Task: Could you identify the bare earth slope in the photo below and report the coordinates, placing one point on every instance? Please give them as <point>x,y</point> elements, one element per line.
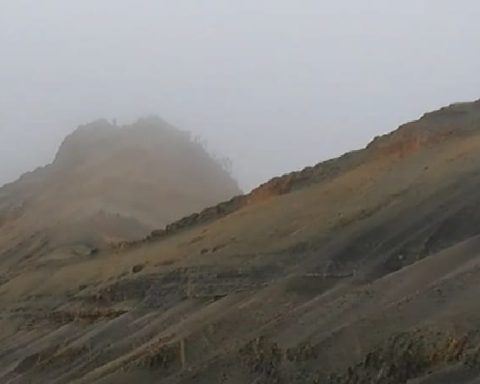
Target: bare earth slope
<point>363,269</point>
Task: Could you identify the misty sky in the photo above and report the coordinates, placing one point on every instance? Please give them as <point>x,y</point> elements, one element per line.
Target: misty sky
<point>273,84</point>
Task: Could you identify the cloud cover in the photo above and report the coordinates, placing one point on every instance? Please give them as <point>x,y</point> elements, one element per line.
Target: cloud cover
<point>273,84</point>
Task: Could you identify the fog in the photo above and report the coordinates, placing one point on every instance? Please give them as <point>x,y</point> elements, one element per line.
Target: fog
<point>273,84</point>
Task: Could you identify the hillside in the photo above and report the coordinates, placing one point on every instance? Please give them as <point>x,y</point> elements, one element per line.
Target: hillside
<point>107,184</point>
<point>362,269</point>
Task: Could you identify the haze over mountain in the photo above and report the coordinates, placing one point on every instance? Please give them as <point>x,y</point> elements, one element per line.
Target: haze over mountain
<point>275,85</point>
<point>108,184</point>
<point>361,269</point>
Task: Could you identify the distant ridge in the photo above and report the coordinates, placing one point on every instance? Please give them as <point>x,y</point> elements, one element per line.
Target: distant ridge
<point>110,183</point>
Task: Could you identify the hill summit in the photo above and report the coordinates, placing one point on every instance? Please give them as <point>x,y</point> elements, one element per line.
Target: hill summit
<point>109,184</point>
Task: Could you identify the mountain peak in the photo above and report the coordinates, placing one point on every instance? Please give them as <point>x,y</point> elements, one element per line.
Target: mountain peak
<point>76,145</point>
<point>140,176</point>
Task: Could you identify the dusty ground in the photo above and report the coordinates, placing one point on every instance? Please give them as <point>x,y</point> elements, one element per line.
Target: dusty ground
<point>364,269</point>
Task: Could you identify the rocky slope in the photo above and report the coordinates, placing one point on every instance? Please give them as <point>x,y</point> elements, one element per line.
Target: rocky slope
<point>362,269</point>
